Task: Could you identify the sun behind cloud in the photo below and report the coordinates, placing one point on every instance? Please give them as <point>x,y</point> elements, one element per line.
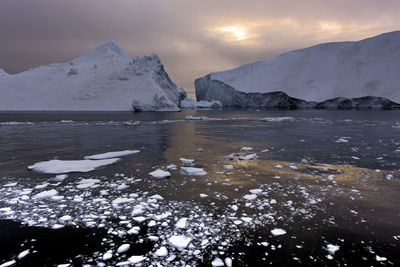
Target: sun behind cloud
<point>237,33</point>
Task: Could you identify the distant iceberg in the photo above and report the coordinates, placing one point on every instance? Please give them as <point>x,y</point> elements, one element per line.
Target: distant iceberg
<point>363,74</point>
<point>105,79</point>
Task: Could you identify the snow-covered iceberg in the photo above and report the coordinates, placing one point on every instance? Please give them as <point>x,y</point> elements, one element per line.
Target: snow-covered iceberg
<point>302,78</point>
<point>105,79</point>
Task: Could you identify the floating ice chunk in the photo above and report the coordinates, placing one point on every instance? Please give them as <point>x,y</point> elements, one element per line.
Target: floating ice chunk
<point>203,195</point>
<point>171,167</point>
<point>46,194</point>
<point>193,171</point>
<point>139,219</point>
<point>136,259</point>
<point>331,177</point>
<point>123,248</point>
<point>248,157</point>
<point>217,262</point>
<point>121,200</point>
<point>8,263</point>
<point>264,150</point>
<point>246,219</point>
<point>237,222</point>
<point>65,218</point>
<point>187,161</point>
<point>134,230</point>
<point>276,119</point>
<point>246,148</point>
<point>278,231</point>
<point>23,254</point>
<point>179,241</point>
<point>256,191</point>
<point>380,258</point>
<point>86,183</point>
<point>234,207</point>
<point>58,226</point>
<point>229,167</point>
<point>182,223</point>
<point>41,186</point>
<point>332,248</point>
<point>156,196</point>
<point>278,166</point>
<point>160,174</point>
<point>60,177</point>
<point>114,154</point>
<point>342,140</point>
<point>162,252</point>
<point>162,216</point>
<point>250,197</point>
<point>137,211</point>
<point>10,184</point>
<point>56,166</point>
<point>228,262</point>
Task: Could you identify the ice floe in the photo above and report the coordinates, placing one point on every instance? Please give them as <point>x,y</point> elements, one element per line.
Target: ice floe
<point>193,171</point>
<point>278,231</point>
<point>114,154</point>
<point>57,166</point>
<point>160,173</point>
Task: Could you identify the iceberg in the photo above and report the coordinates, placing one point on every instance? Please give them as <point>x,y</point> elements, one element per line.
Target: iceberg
<point>361,74</point>
<point>105,79</point>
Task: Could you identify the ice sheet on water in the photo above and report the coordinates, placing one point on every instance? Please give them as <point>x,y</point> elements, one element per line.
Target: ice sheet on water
<point>57,166</point>
<point>114,154</point>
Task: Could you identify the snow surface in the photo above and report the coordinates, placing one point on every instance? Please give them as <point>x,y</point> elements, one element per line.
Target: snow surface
<point>343,69</point>
<point>104,79</point>
<point>114,154</point>
<point>57,166</point>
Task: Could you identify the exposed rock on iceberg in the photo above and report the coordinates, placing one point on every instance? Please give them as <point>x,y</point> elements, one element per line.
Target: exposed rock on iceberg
<point>104,79</point>
<point>350,70</point>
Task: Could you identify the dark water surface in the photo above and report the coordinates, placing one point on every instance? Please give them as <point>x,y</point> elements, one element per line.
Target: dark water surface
<point>328,179</point>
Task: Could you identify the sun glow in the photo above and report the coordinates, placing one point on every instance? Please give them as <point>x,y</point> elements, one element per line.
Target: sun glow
<point>237,33</point>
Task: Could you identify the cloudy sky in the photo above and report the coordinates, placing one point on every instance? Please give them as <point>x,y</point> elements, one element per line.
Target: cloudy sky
<point>192,37</point>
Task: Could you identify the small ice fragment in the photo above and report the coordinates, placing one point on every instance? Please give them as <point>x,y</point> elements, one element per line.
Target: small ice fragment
<point>179,241</point>
<point>182,223</point>
<point>156,196</point>
<point>107,255</point>
<point>160,174</point>
<point>123,248</point>
<point>8,263</point>
<point>136,259</point>
<point>203,195</point>
<point>171,167</point>
<point>380,258</point>
<point>162,252</point>
<point>217,262</point>
<point>278,166</point>
<point>331,177</point>
<point>139,219</point>
<point>121,200</point>
<point>250,197</point>
<point>65,218</point>
<point>193,171</point>
<point>187,161</point>
<point>342,140</point>
<point>248,157</point>
<point>278,231</point>
<point>114,154</point>
<point>234,207</point>
<point>46,194</point>
<point>10,184</point>
<point>228,262</point>
<point>256,191</point>
<point>134,231</point>
<point>23,254</point>
<point>264,150</point>
<point>332,248</point>
<point>229,167</point>
<point>246,219</point>
<point>60,177</point>
<point>246,148</point>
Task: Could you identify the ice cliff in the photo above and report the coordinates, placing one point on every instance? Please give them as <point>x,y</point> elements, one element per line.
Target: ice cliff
<point>343,73</point>
<point>105,79</point>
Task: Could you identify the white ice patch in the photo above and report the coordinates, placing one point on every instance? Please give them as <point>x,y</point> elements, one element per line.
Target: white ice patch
<point>248,157</point>
<point>187,161</point>
<point>136,259</point>
<point>250,196</point>
<point>57,166</point>
<point>179,241</point>
<point>46,194</point>
<point>114,154</point>
<point>123,248</point>
<point>160,174</point>
<point>217,262</point>
<point>86,183</point>
<point>161,252</point>
<point>332,248</point>
<point>256,191</point>
<point>229,167</point>
<point>182,223</point>
<point>246,148</point>
<point>278,231</point>
<point>193,171</point>
<point>378,258</point>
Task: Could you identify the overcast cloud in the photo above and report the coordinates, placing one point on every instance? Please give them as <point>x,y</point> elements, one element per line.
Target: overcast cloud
<point>192,38</point>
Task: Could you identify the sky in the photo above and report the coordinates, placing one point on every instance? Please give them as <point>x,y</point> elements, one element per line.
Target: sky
<point>192,38</point>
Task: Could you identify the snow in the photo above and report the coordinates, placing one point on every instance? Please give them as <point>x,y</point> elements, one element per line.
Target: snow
<point>278,231</point>
<point>332,248</point>
<point>104,79</point>
<point>179,241</point>
<point>160,174</point>
<point>123,248</point>
<point>162,252</point>
<point>57,166</point>
<point>46,194</point>
<point>193,171</point>
<point>114,154</point>
<point>324,71</point>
